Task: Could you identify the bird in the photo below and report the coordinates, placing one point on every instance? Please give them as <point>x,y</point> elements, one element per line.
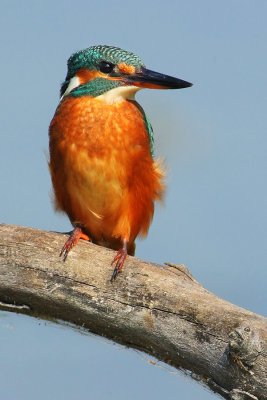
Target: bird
<point>103,170</point>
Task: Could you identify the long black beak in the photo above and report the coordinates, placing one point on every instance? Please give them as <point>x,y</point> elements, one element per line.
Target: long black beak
<point>155,80</point>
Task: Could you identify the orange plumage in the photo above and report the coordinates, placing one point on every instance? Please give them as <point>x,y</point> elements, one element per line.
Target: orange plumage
<point>103,174</point>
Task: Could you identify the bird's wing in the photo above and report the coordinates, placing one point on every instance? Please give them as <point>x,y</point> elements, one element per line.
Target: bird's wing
<point>150,133</point>
<point>149,128</point>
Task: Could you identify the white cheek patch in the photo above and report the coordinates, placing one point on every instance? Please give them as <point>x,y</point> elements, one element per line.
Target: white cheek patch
<point>118,94</point>
<point>74,82</point>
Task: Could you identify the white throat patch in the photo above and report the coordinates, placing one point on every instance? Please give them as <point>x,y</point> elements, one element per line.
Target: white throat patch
<point>118,94</point>
<point>74,82</point>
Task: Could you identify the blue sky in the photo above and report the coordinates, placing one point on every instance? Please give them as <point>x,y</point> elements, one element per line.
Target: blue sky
<point>212,136</point>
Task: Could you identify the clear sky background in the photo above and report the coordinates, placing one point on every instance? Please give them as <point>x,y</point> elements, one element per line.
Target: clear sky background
<point>213,137</point>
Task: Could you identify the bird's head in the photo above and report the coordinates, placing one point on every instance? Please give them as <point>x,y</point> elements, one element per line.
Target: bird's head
<point>100,70</point>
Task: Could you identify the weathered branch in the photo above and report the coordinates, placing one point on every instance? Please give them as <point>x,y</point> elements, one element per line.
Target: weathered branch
<point>160,310</point>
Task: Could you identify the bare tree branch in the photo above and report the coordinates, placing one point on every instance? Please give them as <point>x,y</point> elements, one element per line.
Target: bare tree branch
<point>162,311</point>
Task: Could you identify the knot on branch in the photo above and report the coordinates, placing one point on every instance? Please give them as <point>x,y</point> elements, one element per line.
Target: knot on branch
<point>244,346</point>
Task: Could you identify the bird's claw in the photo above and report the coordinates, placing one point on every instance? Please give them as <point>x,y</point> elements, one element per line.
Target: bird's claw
<point>73,239</point>
<point>66,248</point>
<point>119,262</point>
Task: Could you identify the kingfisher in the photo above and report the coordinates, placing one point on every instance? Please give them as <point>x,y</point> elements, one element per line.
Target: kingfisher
<point>102,165</point>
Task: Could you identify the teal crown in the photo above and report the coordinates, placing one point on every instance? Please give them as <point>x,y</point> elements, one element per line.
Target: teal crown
<point>92,56</point>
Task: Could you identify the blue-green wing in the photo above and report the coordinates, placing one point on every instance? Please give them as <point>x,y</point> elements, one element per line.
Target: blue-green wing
<point>150,133</point>
<point>149,128</point>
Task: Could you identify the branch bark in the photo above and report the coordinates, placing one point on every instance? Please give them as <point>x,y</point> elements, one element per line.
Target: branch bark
<point>162,311</point>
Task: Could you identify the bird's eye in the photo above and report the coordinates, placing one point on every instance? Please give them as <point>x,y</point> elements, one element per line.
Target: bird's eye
<point>106,67</point>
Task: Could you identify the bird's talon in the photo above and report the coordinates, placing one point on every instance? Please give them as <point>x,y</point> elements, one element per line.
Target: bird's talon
<point>114,275</point>
<point>75,236</point>
<point>119,262</point>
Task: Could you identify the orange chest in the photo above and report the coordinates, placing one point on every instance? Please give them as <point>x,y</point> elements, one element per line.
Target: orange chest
<point>101,129</point>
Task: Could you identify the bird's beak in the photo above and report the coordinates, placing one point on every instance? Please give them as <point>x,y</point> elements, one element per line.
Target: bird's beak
<point>155,80</point>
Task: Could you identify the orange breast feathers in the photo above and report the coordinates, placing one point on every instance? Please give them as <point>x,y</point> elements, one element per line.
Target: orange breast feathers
<point>103,174</point>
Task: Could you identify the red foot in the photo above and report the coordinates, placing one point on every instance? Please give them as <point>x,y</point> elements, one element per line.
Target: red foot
<point>74,238</point>
<point>119,261</point>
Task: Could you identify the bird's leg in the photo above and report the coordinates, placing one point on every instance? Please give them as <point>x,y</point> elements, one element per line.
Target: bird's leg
<point>118,260</point>
<point>74,238</point>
